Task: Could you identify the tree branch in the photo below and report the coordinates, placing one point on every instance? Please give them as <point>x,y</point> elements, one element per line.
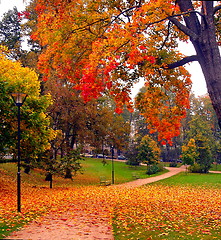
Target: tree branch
<point>183,28</point>
<point>216,9</point>
<point>182,62</point>
<point>122,13</point>
<point>167,36</point>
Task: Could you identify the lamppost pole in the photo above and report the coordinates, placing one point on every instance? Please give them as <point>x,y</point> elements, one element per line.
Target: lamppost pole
<point>19,99</point>
<point>19,163</point>
<point>112,154</point>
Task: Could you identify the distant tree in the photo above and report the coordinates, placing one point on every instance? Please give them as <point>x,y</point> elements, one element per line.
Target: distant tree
<point>189,153</point>
<point>28,26</point>
<point>148,151</point>
<point>132,155</point>
<point>11,33</point>
<point>15,30</point>
<point>67,166</point>
<point>49,164</point>
<point>94,123</point>
<point>201,129</point>
<point>70,164</point>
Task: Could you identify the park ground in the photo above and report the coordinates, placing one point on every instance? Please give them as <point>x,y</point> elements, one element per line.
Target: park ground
<point>124,211</point>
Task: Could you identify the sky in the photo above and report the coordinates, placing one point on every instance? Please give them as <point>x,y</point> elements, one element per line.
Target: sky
<point>199,85</point>
<point>6,5</point>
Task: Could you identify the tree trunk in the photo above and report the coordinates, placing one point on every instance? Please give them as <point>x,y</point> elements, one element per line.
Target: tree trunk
<point>210,61</point>
<point>207,49</point>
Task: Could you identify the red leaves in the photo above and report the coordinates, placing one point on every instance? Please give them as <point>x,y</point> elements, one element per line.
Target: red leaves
<point>40,8</point>
<point>23,14</point>
<point>151,59</point>
<point>118,110</point>
<point>77,50</point>
<point>164,104</point>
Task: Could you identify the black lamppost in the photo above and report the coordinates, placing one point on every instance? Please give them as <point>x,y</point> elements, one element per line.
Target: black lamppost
<point>112,157</point>
<point>19,99</point>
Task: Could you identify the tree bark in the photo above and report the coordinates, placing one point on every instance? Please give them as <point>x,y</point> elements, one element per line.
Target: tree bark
<point>206,48</point>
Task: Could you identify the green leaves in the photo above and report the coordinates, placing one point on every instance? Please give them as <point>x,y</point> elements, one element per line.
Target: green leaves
<point>35,129</point>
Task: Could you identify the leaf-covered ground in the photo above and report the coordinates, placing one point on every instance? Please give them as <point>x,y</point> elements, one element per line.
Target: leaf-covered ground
<point>162,212</point>
<point>149,212</point>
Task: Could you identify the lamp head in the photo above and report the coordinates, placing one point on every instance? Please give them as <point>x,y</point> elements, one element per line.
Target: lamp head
<point>18,98</point>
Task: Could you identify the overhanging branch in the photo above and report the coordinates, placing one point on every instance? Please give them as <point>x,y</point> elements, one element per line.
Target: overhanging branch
<point>182,62</point>
<point>217,8</point>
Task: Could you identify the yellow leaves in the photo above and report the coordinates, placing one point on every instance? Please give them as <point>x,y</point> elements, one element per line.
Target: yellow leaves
<point>149,212</point>
<point>159,210</point>
<point>189,152</point>
<point>3,50</point>
<point>23,79</point>
<point>35,125</point>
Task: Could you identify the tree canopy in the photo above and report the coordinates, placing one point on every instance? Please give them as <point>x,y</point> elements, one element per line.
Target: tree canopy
<point>35,129</point>
<point>110,45</point>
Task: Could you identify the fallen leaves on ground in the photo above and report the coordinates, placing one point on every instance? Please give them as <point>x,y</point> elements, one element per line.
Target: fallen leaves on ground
<point>151,212</point>
<point>157,211</point>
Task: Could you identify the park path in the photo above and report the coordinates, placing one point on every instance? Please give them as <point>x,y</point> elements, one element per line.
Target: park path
<point>79,225</point>
<point>140,182</point>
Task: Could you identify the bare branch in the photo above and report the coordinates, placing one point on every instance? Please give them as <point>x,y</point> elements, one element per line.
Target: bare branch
<point>182,62</point>
<point>183,28</point>
<point>167,36</point>
<point>216,9</point>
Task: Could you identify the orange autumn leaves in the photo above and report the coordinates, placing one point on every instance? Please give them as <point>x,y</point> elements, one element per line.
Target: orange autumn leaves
<point>162,212</point>
<point>164,103</point>
<point>103,46</point>
<point>153,211</point>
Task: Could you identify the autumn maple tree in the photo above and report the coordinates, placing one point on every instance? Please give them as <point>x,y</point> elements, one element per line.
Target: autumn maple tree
<point>110,45</point>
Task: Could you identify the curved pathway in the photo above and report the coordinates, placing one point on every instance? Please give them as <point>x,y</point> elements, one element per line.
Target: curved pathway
<point>140,182</point>
<point>78,225</point>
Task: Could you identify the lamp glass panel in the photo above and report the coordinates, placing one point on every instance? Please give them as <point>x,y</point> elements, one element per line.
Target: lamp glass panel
<point>19,97</point>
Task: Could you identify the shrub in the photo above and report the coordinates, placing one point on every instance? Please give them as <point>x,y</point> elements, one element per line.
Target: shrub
<point>196,168</point>
<point>160,166</point>
<point>132,162</point>
<point>173,164</point>
<point>152,169</point>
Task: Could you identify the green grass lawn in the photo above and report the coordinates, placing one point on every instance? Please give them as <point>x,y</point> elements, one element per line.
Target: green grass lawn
<point>92,170</point>
<point>193,179</point>
<point>216,167</point>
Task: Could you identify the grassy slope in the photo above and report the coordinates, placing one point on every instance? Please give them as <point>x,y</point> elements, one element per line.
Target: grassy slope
<point>92,170</point>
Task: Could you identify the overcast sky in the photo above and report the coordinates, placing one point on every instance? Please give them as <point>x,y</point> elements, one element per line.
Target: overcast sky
<point>6,5</point>
<point>199,86</point>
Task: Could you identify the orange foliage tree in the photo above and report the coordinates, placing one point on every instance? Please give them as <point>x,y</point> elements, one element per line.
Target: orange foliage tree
<point>110,45</point>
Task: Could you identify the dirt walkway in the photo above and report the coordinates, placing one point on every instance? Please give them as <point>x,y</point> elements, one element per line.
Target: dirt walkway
<point>140,182</point>
<point>78,225</point>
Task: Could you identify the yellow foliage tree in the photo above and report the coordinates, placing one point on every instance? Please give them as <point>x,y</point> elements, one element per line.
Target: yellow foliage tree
<point>35,130</point>
<point>189,152</point>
